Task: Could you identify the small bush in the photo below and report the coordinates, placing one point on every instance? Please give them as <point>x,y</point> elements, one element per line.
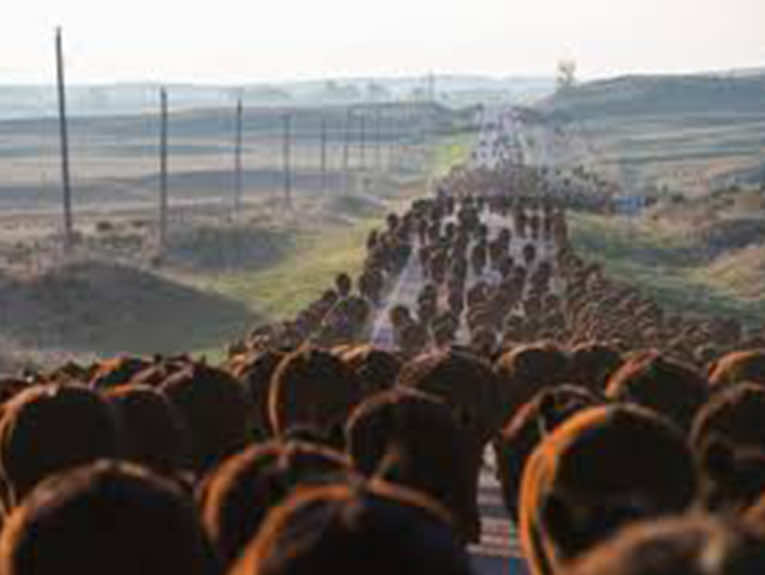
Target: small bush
<point>104,226</point>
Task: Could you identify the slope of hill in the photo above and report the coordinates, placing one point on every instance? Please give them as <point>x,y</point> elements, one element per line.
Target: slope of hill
<point>661,95</point>
<point>686,135</point>
<point>107,308</point>
<point>698,144</point>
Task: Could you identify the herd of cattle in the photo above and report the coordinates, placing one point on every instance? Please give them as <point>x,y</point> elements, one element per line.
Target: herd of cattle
<point>499,142</point>
<point>626,439</point>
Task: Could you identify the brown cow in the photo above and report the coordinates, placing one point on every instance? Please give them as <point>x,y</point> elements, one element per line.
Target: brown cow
<point>312,387</point>
<point>596,472</point>
<point>50,428</point>
<point>217,410</point>
<point>526,369</point>
<point>694,545</point>
<point>375,369</point>
<point>411,438</point>
<point>376,529</point>
<point>738,366</point>
<point>154,433</point>
<point>108,517</point>
<point>728,438</point>
<point>530,424</point>
<point>591,364</point>
<point>238,494</point>
<point>662,384</point>
<point>254,370</point>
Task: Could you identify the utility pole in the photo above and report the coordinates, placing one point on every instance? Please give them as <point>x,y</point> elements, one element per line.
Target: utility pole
<point>286,159</point>
<point>163,170</point>
<point>323,153</point>
<point>362,140</point>
<point>392,135</point>
<point>378,137</point>
<point>428,127</point>
<point>238,159</point>
<point>346,146</point>
<point>65,183</point>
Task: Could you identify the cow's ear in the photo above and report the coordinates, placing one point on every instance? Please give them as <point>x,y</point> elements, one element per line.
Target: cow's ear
<point>717,457</point>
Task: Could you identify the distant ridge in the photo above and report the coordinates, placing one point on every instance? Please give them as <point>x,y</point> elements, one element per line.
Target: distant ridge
<point>130,98</point>
<point>740,91</point>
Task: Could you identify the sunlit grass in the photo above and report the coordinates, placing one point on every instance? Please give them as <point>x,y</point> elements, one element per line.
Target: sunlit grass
<point>451,151</point>
<point>740,273</point>
<point>668,268</point>
<point>317,253</point>
<point>300,277</point>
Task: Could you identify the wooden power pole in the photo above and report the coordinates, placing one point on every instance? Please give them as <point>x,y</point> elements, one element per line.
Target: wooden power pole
<point>286,159</point>
<point>392,135</point>
<point>238,159</point>
<point>346,150</point>
<point>431,88</point>
<point>323,137</point>
<point>378,137</point>
<point>65,183</point>
<point>163,170</point>
<point>362,140</point>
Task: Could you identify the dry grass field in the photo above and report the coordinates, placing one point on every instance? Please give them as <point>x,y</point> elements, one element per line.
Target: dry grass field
<point>222,272</point>
<point>696,145</point>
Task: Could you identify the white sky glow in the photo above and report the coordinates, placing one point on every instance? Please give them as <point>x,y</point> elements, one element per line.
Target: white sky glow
<point>228,41</point>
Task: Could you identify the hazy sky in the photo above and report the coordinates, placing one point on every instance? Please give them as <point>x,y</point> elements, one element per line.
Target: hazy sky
<point>225,41</point>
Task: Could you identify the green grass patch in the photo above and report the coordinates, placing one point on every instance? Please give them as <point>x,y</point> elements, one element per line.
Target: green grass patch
<point>665,266</point>
<point>451,151</point>
<point>356,206</point>
<point>288,286</point>
<point>619,238</point>
<point>316,252</point>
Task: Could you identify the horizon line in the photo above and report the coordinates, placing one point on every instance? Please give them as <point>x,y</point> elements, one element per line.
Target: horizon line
<point>755,69</point>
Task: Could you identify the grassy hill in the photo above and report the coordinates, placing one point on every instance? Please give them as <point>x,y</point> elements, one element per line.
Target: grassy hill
<point>661,95</point>
<point>698,143</point>
<point>685,135</point>
<point>684,271</point>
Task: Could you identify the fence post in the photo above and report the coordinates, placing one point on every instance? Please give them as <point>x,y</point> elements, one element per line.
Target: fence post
<point>65,182</point>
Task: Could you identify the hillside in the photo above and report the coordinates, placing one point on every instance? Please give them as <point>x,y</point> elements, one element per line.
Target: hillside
<point>661,95</point>
<point>687,135</point>
<point>106,308</point>
<point>697,143</point>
